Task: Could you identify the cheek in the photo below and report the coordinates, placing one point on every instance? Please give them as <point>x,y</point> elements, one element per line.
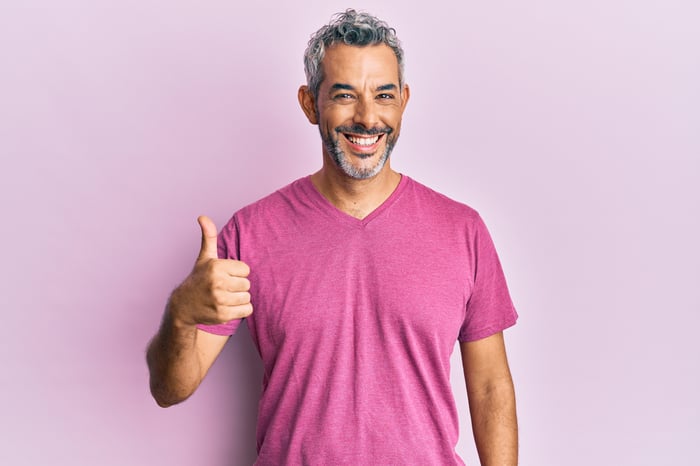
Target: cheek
<point>338,115</point>
<point>392,117</point>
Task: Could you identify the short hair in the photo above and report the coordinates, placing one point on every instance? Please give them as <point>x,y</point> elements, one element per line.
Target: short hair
<point>350,28</point>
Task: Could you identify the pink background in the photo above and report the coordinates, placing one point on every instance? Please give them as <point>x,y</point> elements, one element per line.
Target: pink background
<point>572,127</point>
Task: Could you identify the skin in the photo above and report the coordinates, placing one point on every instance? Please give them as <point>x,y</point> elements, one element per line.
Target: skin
<point>360,93</point>
<point>216,291</point>
<point>360,97</point>
<point>491,400</point>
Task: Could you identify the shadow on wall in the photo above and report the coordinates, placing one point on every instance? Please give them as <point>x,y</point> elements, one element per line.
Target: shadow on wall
<point>239,372</point>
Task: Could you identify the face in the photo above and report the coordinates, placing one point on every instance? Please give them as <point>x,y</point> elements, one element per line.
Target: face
<point>358,108</point>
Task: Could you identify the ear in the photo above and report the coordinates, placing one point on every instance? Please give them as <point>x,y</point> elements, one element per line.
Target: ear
<point>308,105</point>
<point>405,94</point>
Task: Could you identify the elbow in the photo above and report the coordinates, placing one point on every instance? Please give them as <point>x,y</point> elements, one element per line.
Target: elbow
<point>162,401</point>
<point>167,397</point>
<point>169,386</point>
<point>167,400</point>
<point>165,390</point>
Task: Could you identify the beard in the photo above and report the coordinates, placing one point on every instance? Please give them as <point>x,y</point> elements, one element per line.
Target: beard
<point>342,160</point>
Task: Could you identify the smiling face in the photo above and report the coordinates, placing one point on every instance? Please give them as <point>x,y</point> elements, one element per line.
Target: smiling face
<point>358,108</point>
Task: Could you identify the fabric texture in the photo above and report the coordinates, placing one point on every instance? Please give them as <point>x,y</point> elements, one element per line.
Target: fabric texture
<point>355,321</point>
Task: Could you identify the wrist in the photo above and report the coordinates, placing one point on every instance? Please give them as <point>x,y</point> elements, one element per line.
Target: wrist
<point>176,311</point>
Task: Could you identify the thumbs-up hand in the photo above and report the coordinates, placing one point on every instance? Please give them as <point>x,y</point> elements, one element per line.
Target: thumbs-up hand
<point>216,291</point>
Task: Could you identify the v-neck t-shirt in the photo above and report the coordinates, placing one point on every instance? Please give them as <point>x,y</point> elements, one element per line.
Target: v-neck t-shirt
<point>356,320</point>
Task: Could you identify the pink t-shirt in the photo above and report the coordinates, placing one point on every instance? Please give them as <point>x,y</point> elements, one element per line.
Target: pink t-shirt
<point>355,321</point>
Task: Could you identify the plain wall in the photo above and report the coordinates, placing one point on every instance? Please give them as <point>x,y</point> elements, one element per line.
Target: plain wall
<point>573,127</point>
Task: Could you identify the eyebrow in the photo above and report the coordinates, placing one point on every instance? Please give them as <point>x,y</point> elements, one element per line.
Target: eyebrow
<point>345,87</point>
<point>348,87</point>
<point>387,87</point>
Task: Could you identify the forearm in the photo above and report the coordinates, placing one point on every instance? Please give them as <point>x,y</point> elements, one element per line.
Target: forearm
<point>173,361</point>
<point>494,423</point>
<point>215,292</point>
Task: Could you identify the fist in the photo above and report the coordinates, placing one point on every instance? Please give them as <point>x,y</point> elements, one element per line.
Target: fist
<point>216,291</point>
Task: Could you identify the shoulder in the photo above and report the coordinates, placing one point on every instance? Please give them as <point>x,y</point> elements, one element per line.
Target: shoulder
<point>264,218</point>
<point>277,202</point>
<point>431,202</point>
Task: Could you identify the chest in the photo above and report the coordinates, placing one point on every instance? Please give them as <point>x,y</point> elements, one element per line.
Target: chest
<point>312,285</point>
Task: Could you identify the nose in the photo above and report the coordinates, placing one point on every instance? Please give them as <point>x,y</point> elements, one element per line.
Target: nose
<point>366,113</point>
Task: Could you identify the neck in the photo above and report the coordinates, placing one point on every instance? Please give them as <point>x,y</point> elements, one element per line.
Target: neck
<point>357,198</point>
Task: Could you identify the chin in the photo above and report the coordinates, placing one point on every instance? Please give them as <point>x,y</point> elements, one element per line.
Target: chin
<point>361,172</point>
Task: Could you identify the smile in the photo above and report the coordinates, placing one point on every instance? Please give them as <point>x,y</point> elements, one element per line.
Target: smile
<point>363,142</point>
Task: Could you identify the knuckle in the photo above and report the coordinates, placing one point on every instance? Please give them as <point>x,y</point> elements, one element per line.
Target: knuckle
<point>236,312</point>
<point>244,297</point>
<point>246,310</point>
<point>245,284</point>
<point>244,270</point>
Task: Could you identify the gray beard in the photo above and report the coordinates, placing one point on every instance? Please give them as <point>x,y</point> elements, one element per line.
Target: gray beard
<point>341,159</point>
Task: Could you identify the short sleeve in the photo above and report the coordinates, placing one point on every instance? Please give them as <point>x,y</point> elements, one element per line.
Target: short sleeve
<point>227,248</point>
<point>489,308</point>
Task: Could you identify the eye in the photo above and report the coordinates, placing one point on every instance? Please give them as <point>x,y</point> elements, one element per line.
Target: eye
<point>385,96</point>
<point>343,96</point>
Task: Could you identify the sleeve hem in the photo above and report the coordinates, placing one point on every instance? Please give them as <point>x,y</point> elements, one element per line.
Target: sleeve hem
<point>488,331</point>
<point>223,329</point>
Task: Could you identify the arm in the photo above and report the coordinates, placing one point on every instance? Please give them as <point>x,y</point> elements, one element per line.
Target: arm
<point>491,400</point>
<point>179,357</point>
<point>216,291</point>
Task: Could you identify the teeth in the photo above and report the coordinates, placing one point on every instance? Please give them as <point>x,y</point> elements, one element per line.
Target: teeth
<point>363,141</point>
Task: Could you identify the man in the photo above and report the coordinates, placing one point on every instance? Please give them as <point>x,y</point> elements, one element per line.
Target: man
<point>362,281</point>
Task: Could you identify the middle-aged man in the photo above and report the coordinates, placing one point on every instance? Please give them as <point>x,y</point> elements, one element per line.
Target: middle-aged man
<point>362,279</point>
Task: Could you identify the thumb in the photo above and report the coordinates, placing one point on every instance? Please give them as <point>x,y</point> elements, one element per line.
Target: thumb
<point>208,249</point>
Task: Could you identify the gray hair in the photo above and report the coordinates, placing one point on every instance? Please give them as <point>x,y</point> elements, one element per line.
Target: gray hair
<point>350,28</point>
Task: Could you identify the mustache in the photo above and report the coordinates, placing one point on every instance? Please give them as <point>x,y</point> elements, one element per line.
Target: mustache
<point>362,131</point>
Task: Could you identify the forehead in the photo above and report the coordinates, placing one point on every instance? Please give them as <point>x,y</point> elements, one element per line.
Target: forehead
<point>352,64</point>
